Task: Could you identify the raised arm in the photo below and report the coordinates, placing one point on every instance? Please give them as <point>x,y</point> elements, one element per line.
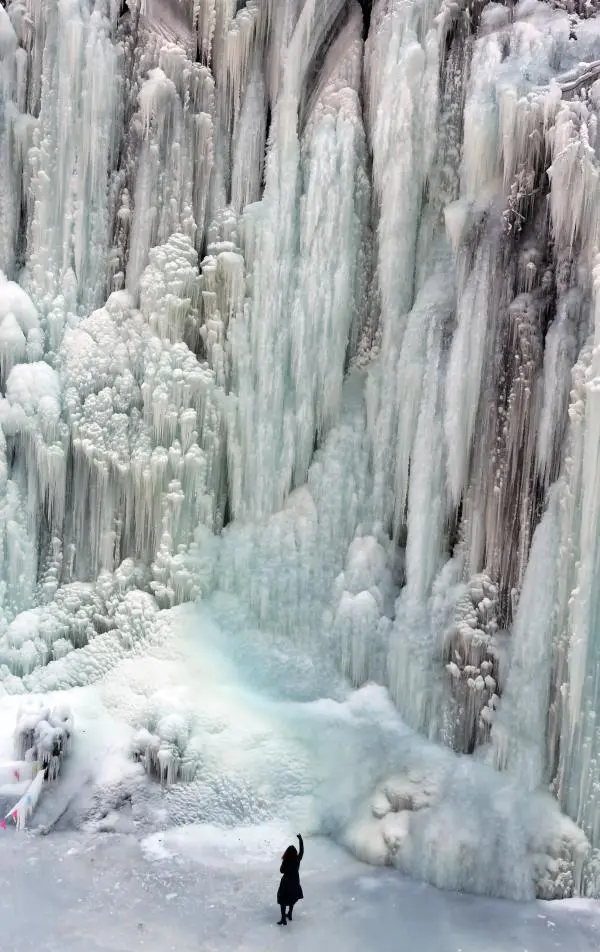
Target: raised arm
<point>301,853</point>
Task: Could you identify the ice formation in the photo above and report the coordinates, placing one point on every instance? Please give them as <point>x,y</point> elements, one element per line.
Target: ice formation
<point>42,739</point>
<point>300,308</point>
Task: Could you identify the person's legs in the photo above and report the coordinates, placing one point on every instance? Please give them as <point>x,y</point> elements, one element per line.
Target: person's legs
<point>289,915</point>
<point>282,921</point>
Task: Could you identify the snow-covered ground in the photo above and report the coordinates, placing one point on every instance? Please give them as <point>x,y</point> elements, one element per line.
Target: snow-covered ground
<point>196,891</point>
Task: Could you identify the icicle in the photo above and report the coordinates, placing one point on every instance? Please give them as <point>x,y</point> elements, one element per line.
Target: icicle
<point>251,130</point>
<point>239,41</point>
<point>403,139</point>
<point>562,344</point>
<point>574,172</point>
<point>463,386</point>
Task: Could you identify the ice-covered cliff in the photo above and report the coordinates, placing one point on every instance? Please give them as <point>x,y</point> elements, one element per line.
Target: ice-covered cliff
<point>300,303</point>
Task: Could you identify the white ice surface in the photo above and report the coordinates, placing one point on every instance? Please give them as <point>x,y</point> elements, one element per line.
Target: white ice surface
<point>216,893</point>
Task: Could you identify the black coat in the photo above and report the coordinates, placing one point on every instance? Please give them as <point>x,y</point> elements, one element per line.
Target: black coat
<point>290,890</point>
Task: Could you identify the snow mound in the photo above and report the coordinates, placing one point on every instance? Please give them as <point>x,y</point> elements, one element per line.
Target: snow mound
<point>458,826</point>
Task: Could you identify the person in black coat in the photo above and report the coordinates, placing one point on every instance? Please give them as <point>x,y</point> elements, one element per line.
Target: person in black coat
<point>290,890</point>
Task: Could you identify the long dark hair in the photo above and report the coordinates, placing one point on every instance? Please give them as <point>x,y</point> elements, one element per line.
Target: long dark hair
<point>290,853</point>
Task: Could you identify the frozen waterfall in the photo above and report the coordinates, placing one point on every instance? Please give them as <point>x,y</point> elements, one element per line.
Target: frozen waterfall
<point>300,331</point>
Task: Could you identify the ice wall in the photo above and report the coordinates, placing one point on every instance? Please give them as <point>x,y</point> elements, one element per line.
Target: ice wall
<point>306,312</point>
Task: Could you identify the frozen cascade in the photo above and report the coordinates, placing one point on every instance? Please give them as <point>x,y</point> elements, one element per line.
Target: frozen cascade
<point>145,421</point>
<point>551,733</point>
<point>71,153</point>
<point>402,154</point>
<point>299,322</point>
<point>175,124</point>
<point>573,732</point>
<point>306,291</point>
<point>519,726</point>
<point>296,554</point>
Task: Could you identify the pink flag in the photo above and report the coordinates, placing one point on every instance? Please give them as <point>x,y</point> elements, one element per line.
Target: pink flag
<point>17,775</point>
<point>2,824</point>
<point>14,815</point>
